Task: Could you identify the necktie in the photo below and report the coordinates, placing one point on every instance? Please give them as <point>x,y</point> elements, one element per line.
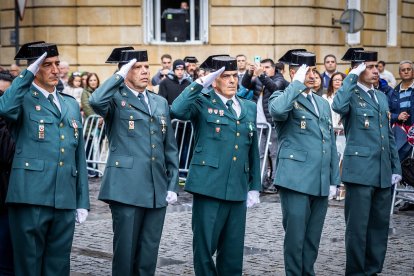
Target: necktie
<point>229,104</point>
<point>309,97</point>
<point>371,93</point>
<point>144,104</point>
<point>51,100</point>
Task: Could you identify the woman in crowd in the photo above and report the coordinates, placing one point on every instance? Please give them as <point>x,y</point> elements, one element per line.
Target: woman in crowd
<point>92,83</point>
<point>84,77</point>
<point>334,84</point>
<point>74,87</point>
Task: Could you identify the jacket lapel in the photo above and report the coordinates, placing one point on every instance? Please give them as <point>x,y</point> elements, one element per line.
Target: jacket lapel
<point>43,101</point>
<point>152,102</point>
<point>63,106</point>
<point>132,99</point>
<point>306,103</point>
<point>242,107</point>
<point>366,98</point>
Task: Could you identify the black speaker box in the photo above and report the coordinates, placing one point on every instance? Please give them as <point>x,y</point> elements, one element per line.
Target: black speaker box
<point>175,26</point>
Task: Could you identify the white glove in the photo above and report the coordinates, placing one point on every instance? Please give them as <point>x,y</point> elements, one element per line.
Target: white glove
<point>171,197</point>
<point>34,67</point>
<point>395,178</point>
<point>357,71</point>
<point>126,67</point>
<point>252,198</point>
<point>300,75</point>
<point>206,81</point>
<point>81,215</point>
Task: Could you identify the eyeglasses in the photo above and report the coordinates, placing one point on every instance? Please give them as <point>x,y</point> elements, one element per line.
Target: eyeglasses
<point>336,79</point>
<point>163,75</point>
<point>406,69</point>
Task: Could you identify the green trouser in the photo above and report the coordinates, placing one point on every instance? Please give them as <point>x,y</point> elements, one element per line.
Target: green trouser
<point>303,218</point>
<point>367,217</point>
<point>218,226</point>
<point>137,235</point>
<point>42,239</point>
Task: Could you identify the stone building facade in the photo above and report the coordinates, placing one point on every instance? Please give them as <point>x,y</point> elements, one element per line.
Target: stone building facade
<point>87,30</point>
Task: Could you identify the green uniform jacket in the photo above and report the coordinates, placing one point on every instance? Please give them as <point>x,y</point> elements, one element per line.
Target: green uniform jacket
<point>143,159</point>
<point>370,156</point>
<point>307,159</point>
<point>49,165</point>
<point>225,162</point>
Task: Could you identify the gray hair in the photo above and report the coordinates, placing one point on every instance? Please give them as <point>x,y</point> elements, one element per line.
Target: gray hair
<point>406,62</point>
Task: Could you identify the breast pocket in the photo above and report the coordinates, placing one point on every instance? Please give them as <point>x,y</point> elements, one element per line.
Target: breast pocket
<point>131,123</point>
<point>216,126</point>
<point>364,118</point>
<point>41,127</point>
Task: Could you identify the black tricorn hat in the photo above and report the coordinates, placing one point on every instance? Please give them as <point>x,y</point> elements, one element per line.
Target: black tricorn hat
<point>33,50</point>
<point>208,63</point>
<point>191,59</point>
<point>360,56</point>
<point>287,57</point>
<point>350,53</point>
<point>125,54</point>
<point>229,63</point>
<point>299,58</point>
<point>115,56</point>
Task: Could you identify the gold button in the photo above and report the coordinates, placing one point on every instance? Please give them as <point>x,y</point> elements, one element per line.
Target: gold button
<point>234,158</point>
<point>303,117</point>
<point>356,153</point>
<point>323,151</point>
<point>153,158</point>
<point>26,164</point>
<point>151,120</point>
<point>117,77</point>
<point>323,140</point>
<point>61,163</point>
<point>116,163</point>
<point>62,150</point>
<point>62,137</point>
<point>192,88</point>
<point>21,76</point>
<point>382,136</point>
<point>380,125</point>
<point>238,134</point>
<point>152,132</point>
<point>236,146</point>
<point>218,121</point>
<point>203,162</point>
<point>238,122</point>
<point>382,148</point>
<point>153,146</point>
<point>131,117</point>
<point>41,121</point>
<point>61,125</point>
<point>291,156</point>
<point>365,114</point>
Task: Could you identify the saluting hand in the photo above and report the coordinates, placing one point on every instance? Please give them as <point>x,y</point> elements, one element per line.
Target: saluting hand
<point>171,197</point>
<point>357,71</point>
<point>125,69</point>
<point>34,67</point>
<point>300,75</point>
<point>206,81</point>
<point>253,198</point>
<point>81,215</point>
<point>395,178</point>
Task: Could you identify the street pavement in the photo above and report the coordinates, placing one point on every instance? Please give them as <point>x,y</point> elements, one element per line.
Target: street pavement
<point>263,254</point>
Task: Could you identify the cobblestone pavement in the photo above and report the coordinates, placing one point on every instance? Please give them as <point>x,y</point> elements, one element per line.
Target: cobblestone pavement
<point>263,255</point>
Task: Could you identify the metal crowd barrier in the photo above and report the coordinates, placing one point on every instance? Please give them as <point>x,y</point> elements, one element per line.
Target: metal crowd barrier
<point>184,134</point>
<point>260,132</point>
<point>402,192</point>
<point>96,144</point>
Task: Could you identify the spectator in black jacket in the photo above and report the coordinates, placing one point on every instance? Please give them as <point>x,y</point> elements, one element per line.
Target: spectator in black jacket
<point>264,80</point>
<point>174,83</point>
<point>6,158</point>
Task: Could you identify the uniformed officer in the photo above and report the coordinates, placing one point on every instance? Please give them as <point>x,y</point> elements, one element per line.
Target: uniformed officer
<point>370,165</point>
<point>224,168</point>
<point>307,145</point>
<point>141,174</point>
<point>49,178</point>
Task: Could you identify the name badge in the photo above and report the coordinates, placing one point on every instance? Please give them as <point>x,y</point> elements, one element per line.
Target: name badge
<point>131,125</point>
<point>303,124</point>
<point>41,131</point>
